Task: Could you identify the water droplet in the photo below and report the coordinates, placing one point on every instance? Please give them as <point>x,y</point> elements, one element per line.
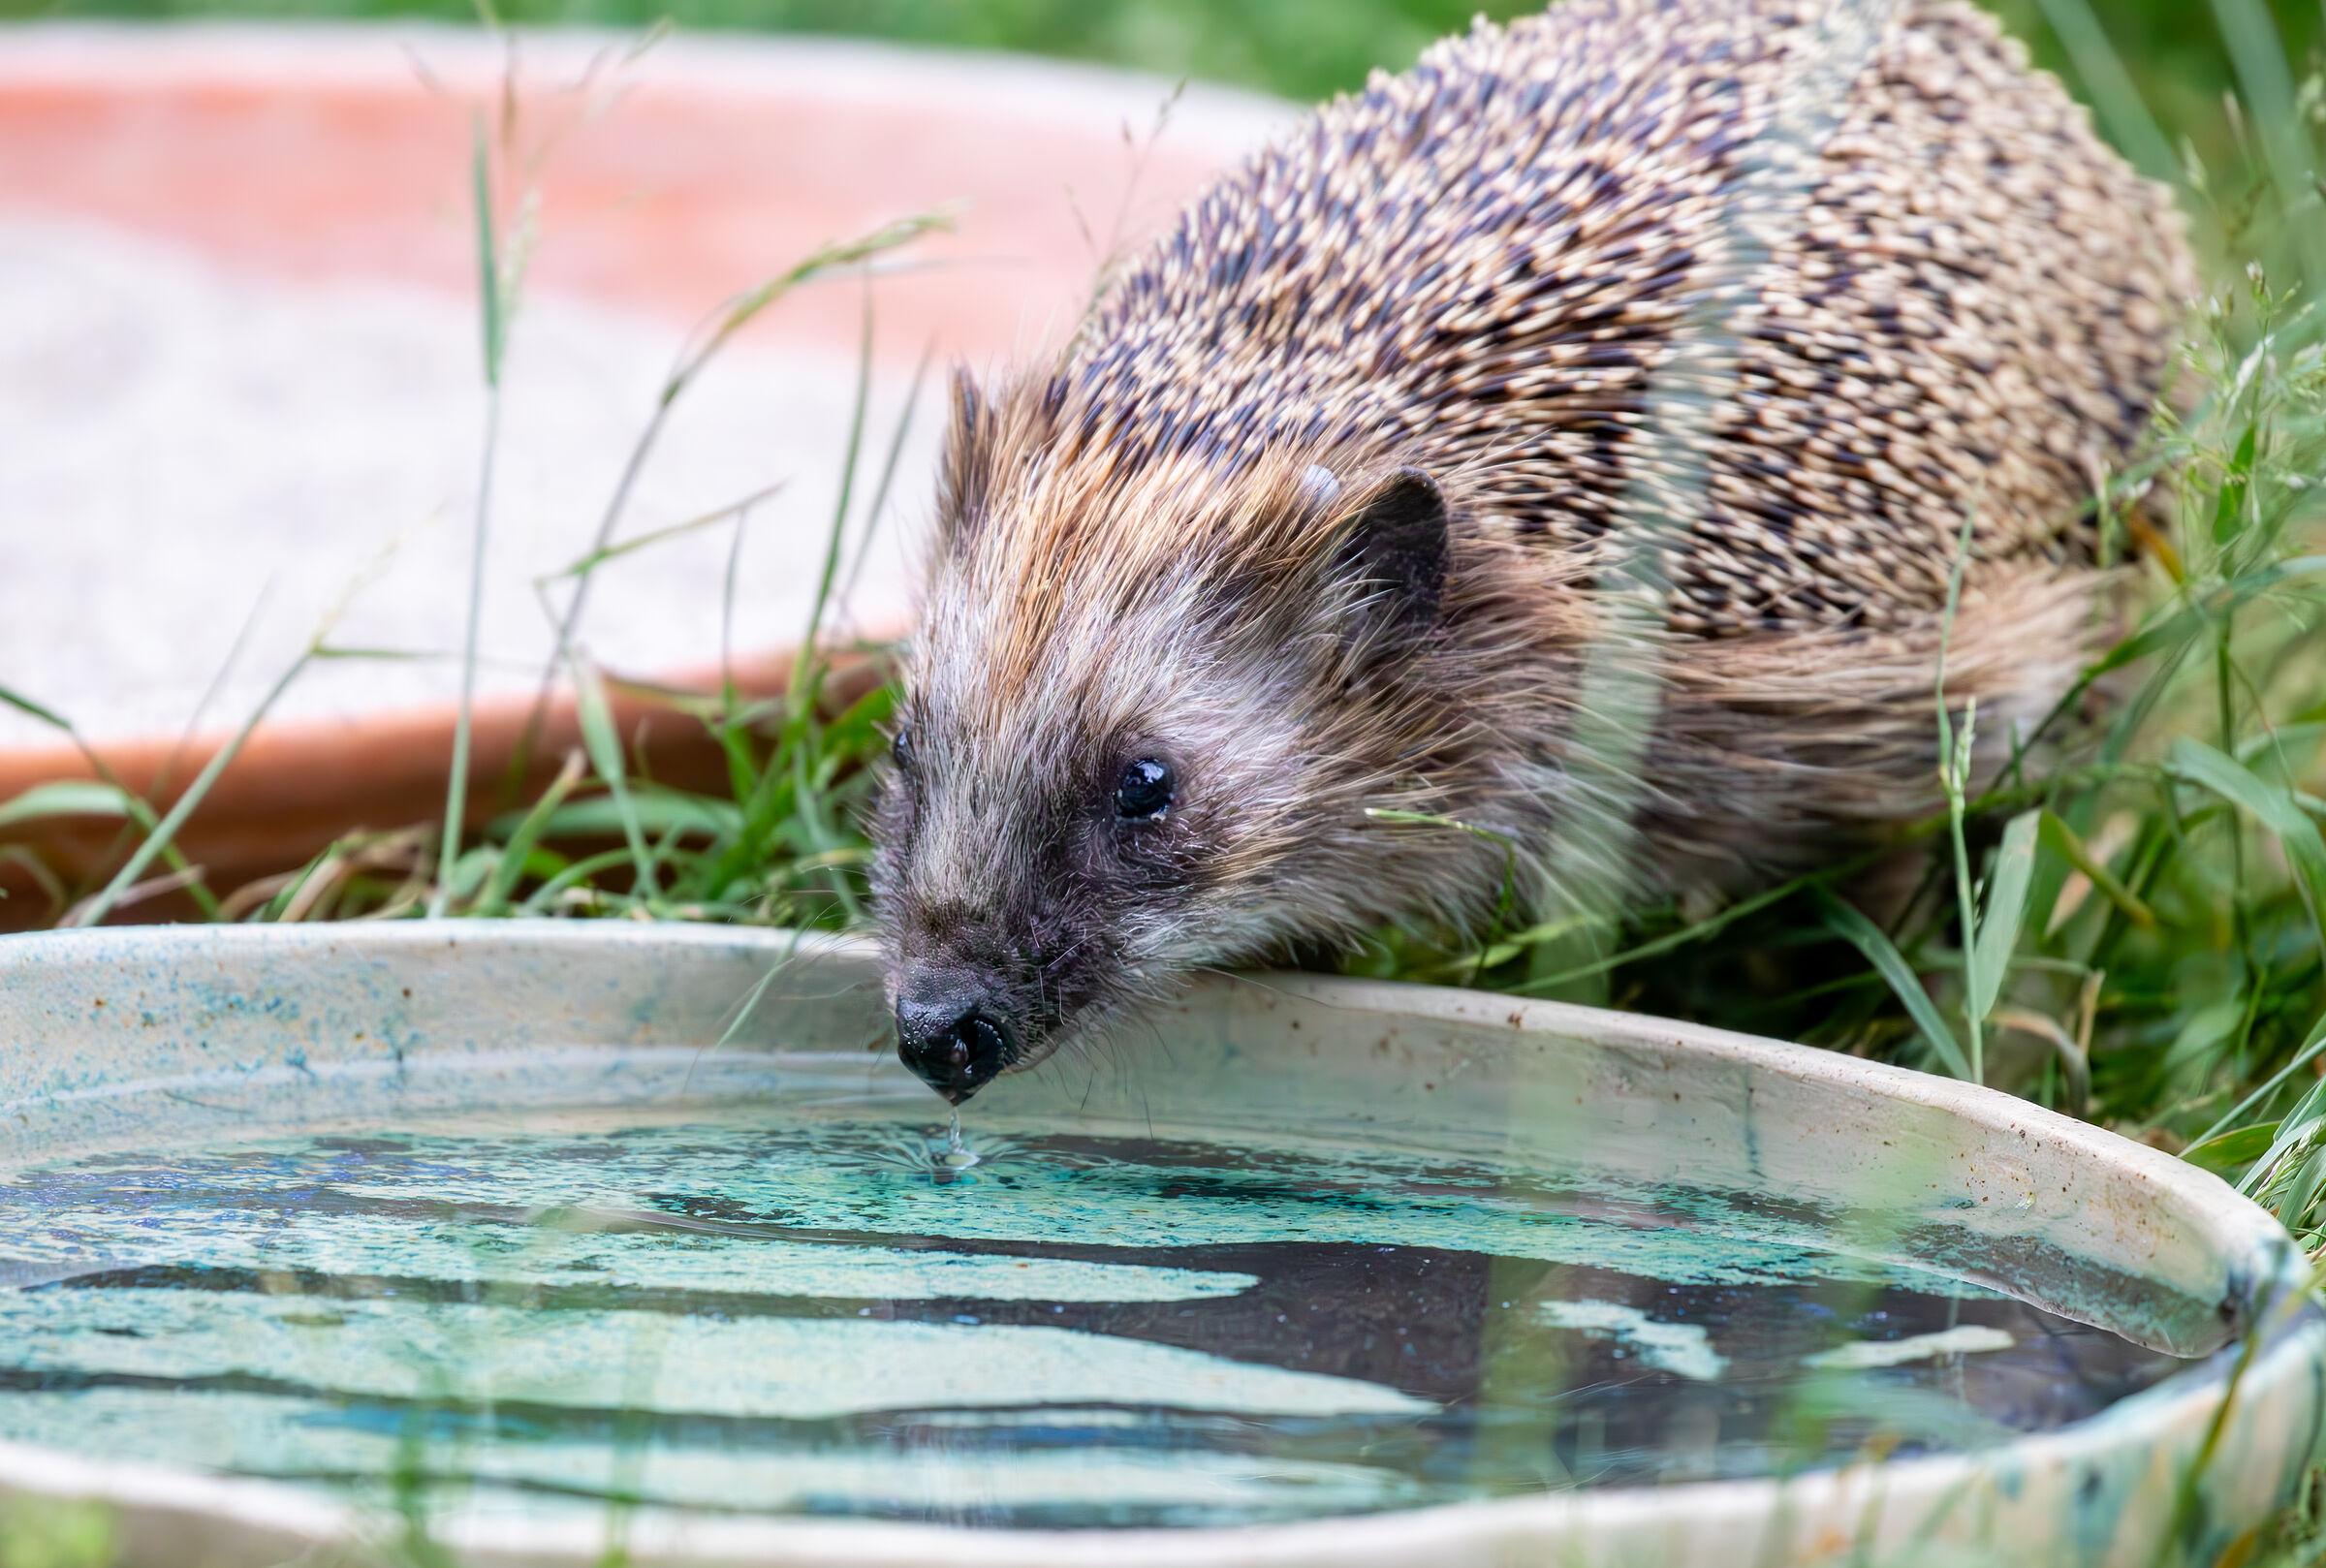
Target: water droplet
<point>956,1155</point>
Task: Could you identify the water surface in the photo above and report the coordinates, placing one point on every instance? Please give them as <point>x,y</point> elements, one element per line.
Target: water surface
<point>833,1317</point>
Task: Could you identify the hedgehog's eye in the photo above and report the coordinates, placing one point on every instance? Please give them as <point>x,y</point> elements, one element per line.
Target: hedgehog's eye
<point>1144,790</point>
<point>900,745</point>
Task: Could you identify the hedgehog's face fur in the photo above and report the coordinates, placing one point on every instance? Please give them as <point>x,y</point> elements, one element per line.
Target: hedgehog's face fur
<point>1146,711</point>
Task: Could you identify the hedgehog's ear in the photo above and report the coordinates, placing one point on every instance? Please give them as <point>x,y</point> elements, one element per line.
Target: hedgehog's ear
<point>1392,550</point>
<point>967,475</point>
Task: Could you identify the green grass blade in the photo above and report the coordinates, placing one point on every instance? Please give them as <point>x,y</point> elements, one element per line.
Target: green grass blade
<point>2272,805</point>
<point>2295,1202</point>
<point>2266,83</point>
<point>655,536</point>
<point>32,709</point>
<point>2226,1152</point>
<point>2301,1125</point>
<point>52,885</point>
<point>129,802</point>
<point>2311,1045</point>
<point>66,798</point>
<point>806,682</point>
<point>2122,110</point>
<point>731,319</point>
<point>2229,506</point>
<point>1702,930</point>
<point>887,476</point>
<point>528,833</point>
<point>2260,581</point>
<point>1955,753</point>
<point>456,788</point>
<point>605,746</point>
<point>1850,924</point>
<point>133,805</point>
<point>543,899</point>
<point>165,833</point>
<point>655,811</point>
<point>823,841</point>
<point>2172,631</point>
<point>2064,841</point>
<point>489,264</point>
<point>2006,910</point>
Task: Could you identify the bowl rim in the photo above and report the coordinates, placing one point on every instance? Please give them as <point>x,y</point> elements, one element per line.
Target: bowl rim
<point>2278,1368</point>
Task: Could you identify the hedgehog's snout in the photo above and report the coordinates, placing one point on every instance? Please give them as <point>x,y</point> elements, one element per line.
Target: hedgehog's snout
<point>951,1038</point>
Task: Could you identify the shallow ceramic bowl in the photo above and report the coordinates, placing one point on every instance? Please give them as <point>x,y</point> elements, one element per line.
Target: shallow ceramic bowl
<point>118,1038</point>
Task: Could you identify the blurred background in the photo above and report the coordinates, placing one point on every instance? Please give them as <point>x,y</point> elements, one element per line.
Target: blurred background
<point>240,373</point>
<point>1299,48</point>
<point>238,332</point>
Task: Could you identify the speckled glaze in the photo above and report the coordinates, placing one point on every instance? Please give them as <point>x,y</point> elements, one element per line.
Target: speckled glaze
<point>139,1039</point>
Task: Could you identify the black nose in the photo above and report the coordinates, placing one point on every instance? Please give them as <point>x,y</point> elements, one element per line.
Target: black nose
<point>954,1050</point>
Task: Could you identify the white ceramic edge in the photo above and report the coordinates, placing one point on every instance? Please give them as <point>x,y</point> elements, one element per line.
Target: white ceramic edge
<point>196,1517</point>
<point>2242,1225</point>
<point>1704,1523</point>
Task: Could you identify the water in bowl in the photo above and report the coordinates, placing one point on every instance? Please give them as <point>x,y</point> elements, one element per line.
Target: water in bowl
<point>860,1317</point>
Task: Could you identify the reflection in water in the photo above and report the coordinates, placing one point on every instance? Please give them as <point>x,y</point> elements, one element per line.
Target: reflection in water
<point>866,1319</point>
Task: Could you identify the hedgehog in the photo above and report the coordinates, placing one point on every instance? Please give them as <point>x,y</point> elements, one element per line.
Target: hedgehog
<point>1550,465</point>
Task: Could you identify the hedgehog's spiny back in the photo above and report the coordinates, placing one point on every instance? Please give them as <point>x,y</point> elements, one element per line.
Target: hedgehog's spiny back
<point>1195,546</point>
<point>1480,265</point>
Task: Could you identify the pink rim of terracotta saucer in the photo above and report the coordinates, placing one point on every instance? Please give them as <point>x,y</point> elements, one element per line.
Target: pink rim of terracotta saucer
<point>321,153</point>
